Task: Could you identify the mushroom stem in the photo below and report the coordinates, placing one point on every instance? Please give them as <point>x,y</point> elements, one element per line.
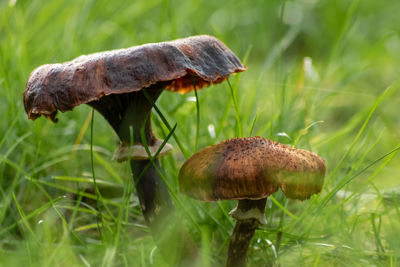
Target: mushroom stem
<point>126,111</point>
<point>153,194</point>
<point>136,116</point>
<point>175,244</point>
<point>244,231</point>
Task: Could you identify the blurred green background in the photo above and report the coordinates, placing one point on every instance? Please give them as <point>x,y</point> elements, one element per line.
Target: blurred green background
<point>322,75</point>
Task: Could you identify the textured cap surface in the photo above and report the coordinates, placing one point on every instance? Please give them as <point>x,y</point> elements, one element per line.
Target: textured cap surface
<point>251,168</point>
<point>175,65</point>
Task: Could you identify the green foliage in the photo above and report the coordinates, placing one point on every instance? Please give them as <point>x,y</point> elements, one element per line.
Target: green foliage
<point>322,75</point>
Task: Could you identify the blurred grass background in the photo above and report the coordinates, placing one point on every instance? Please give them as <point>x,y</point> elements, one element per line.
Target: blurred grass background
<point>322,75</point>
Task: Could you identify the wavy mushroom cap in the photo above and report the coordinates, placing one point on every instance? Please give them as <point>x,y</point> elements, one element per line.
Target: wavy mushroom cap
<point>251,168</point>
<point>175,65</point>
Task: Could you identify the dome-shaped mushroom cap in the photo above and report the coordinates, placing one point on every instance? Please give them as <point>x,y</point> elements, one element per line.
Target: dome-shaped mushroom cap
<point>174,65</point>
<point>251,168</point>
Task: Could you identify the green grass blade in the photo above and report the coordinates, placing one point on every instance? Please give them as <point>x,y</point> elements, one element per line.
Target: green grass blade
<point>196,139</point>
<point>367,119</point>
<point>237,112</point>
<point>96,188</point>
<point>181,147</point>
<point>283,208</point>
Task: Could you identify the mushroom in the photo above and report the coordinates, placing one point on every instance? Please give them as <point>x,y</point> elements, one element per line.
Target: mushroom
<point>118,84</point>
<point>249,170</point>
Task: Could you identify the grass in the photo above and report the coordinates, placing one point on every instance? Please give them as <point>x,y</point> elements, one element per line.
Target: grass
<point>322,75</point>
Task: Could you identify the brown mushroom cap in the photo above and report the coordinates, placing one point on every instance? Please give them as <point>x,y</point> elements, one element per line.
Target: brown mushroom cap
<point>251,168</point>
<point>173,65</point>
